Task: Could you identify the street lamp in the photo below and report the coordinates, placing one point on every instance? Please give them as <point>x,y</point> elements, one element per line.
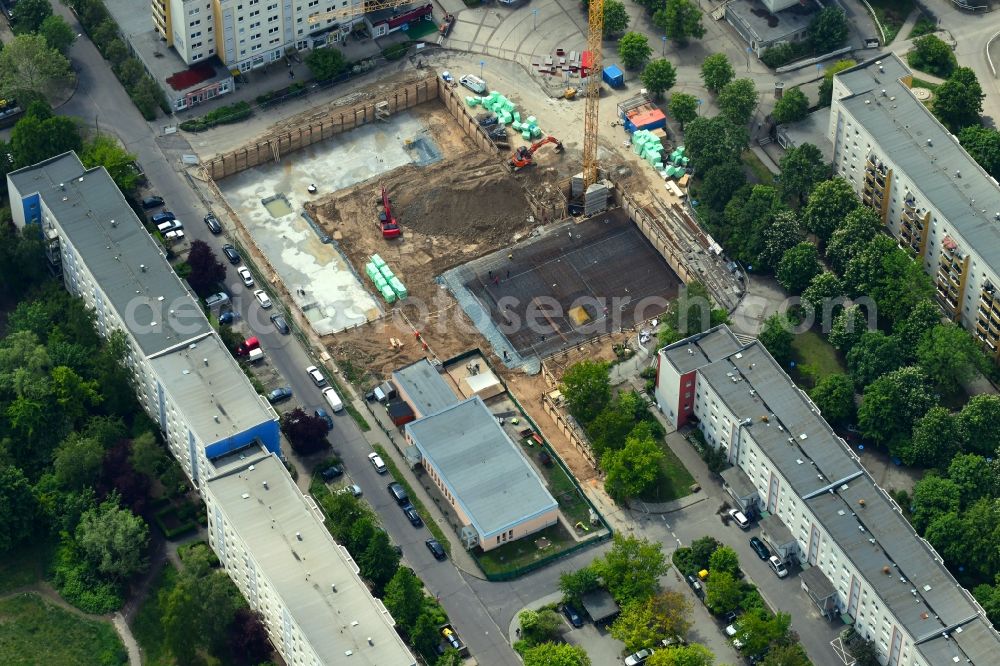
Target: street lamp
<point>534,19</point>
<point>664,38</point>
<point>481,64</point>
<point>748,58</point>
<point>699,106</point>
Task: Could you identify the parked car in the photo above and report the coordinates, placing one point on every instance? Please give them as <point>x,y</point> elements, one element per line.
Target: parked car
<point>411,514</point>
<point>212,222</point>
<point>731,631</point>
<point>175,236</point>
<point>227,317</point>
<point>353,489</point>
<point>316,375</point>
<point>696,586</point>
<point>245,275</point>
<point>573,615</point>
<point>377,463</point>
<point>321,413</point>
<point>638,658</point>
<point>759,548</point>
<point>740,519</point>
<point>279,394</point>
<point>152,202</point>
<point>217,300</point>
<point>437,550</point>
<point>398,493</point>
<point>280,324</point>
<point>169,225</point>
<point>332,472</point>
<point>474,83</point>
<point>262,298</point>
<point>163,216</point>
<point>231,254</point>
<point>777,566</point>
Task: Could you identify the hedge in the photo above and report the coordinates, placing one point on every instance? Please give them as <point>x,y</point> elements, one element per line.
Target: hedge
<point>224,115</point>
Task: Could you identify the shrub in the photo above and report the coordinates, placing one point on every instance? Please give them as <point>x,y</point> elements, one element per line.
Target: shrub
<point>396,51</point>
<point>224,115</point>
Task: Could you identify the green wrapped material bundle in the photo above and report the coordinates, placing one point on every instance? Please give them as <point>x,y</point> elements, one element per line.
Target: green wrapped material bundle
<point>535,132</point>
<point>388,294</point>
<point>517,116</point>
<point>378,261</point>
<point>387,272</point>
<point>526,135</point>
<point>658,165</point>
<point>516,125</point>
<point>371,271</point>
<point>380,282</point>
<point>473,101</point>
<point>398,287</point>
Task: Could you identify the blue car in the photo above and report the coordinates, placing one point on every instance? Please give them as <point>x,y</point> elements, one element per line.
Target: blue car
<point>572,615</point>
<point>321,413</point>
<point>164,216</point>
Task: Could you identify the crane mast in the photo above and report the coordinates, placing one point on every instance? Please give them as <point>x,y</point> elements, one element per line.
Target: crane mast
<point>595,36</point>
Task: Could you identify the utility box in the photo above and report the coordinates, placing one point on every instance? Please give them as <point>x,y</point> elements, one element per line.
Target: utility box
<point>614,76</point>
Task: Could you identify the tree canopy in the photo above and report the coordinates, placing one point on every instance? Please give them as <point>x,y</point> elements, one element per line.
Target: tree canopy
<point>828,204</point>
<point>631,570</point>
<point>737,100</point>
<point>828,29</point>
<point>616,19</point>
<point>714,141</point>
<point>326,63</point>
<point>798,266</point>
<point>776,336</point>
<point>717,71</point>
<point>683,107</point>
<point>634,49</point>
<point>792,107</point>
<point>29,67</point>
<point>644,622</point>
<point>949,356</point>
<point>983,143</point>
<point>892,404</point>
<point>931,54</point>
<point>834,395</point>
<point>680,20</point>
<point>631,470</point>
<point>587,389</point>
<point>802,168</point>
<point>659,76</point>
<point>555,654</point>
<point>959,100</point>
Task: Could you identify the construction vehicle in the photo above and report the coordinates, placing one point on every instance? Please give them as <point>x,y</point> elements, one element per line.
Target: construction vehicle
<point>387,222</point>
<point>524,156</point>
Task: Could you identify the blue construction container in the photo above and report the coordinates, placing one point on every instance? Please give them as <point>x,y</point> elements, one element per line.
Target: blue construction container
<point>613,76</point>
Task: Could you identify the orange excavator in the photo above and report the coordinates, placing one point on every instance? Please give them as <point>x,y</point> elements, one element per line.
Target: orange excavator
<point>524,156</point>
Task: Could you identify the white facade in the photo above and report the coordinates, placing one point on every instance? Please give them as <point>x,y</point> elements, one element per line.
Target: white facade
<point>933,197</point>
<point>880,572</point>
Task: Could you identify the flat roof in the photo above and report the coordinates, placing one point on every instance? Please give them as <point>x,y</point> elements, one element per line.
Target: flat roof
<point>759,18</point>
<point>425,387</point>
<point>738,480</point>
<point>859,515</point>
<point>217,398</point>
<point>483,469</point>
<point>909,135</point>
<point>817,582</point>
<point>126,262</point>
<point>776,530</point>
<point>701,349</point>
<point>599,604</point>
<point>315,578</point>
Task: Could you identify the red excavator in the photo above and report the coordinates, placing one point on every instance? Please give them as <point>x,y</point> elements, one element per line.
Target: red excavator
<point>388,223</point>
<point>523,156</point>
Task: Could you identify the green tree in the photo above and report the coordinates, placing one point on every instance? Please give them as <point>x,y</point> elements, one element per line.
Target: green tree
<point>575,584</point>
<point>113,540</point>
<point>379,561</point>
<point>792,107</point>
<point>631,470</point>
<point>690,313</point>
<point>851,236</point>
<point>975,477</point>
<point>587,389</point>
<point>404,597</point>
<point>198,611</point>
<point>958,101</point>
<point>911,331</point>
<point>679,20</point>
<point>737,100</point>
<point>722,592</point>
<point>748,218</point>
<point>425,636</point>
<point>616,19</point>
<point>724,559</point>
<point>983,143</point>
<point>642,623</point>
<point>828,29</point>
<point>892,404</point>
<point>949,356</point>
<point>782,234</point>
<point>683,107</point>
<point>326,63</point>
<point>888,275</point>
<point>147,455</point>
<point>758,629</point>
<point>659,76</point>
<point>35,139</point>
<point>541,626</point>
<point>932,55</point>
<point>798,266</point>
<point>116,52</point>
<point>207,272</point>
<point>104,150</point>
<point>57,33</point>
<point>77,462</point>
<point>828,204</point>
<point>616,421</point>
<point>714,141</point>
<point>717,71</point>
<point>802,168</point>
<point>694,654</point>
<point>29,67</point>
<point>988,597</point>
<point>555,654</point>
<point>979,424</point>
<point>874,355</point>
<point>131,72</point>
<point>834,395</point>
<point>634,49</point>
<point>776,336</point>
<point>826,86</point>
<point>31,15</point>
<point>632,568</point>
<point>719,183</point>
<point>935,439</point>
<point>825,295</point>
<point>19,506</point>
<point>791,654</point>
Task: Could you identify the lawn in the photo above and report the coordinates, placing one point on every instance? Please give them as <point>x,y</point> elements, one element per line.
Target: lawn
<point>509,558</point>
<point>33,631</point>
<point>572,504</point>
<point>25,565</point>
<point>147,627</point>
<point>891,14</point>
<point>673,482</point>
<point>761,174</point>
<point>920,83</point>
<point>815,358</point>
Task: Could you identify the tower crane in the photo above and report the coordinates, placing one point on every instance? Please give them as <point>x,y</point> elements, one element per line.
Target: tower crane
<point>595,36</point>
<point>357,9</point>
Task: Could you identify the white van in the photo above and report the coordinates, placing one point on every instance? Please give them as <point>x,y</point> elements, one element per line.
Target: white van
<point>333,399</point>
<point>255,355</point>
<point>475,84</point>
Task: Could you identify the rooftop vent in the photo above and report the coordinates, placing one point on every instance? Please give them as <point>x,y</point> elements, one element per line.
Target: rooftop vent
<point>216,418</point>
<point>958,174</point>
<point>803,436</point>
<point>929,142</point>
<point>370,641</point>
<point>205,361</point>
<point>298,535</point>
<point>245,495</point>
<point>739,355</point>
<point>333,587</point>
<point>142,267</point>
<point>114,223</point>
<point>886,570</point>
<point>884,94</point>
<point>691,351</point>
<point>264,483</point>
<point>861,502</point>
<point>61,186</point>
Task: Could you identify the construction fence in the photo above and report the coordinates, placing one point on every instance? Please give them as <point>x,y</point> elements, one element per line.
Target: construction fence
<point>657,232</point>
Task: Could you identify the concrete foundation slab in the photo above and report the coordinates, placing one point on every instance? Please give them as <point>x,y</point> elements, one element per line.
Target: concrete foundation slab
<point>269,201</point>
